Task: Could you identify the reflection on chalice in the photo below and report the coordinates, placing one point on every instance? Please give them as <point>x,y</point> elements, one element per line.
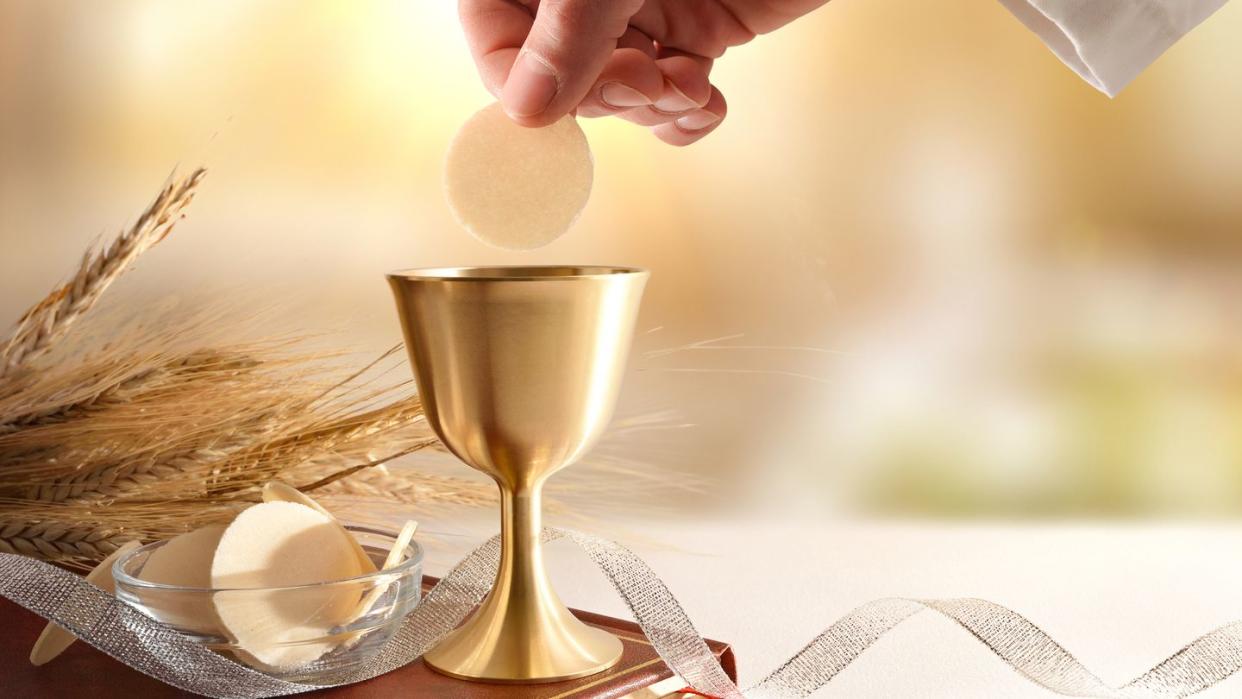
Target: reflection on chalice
<point>518,370</point>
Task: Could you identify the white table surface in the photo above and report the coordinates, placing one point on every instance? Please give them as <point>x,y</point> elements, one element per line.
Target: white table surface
<point>1120,596</point>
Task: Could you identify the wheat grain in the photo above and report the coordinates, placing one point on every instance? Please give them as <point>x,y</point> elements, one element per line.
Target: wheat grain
<point>247,468</point>
<point>227,460</point>
<point>132,386</point>
<point>50,318</point>
<point>143,472</point>
<point>52,540</point>
<point>412,487</point>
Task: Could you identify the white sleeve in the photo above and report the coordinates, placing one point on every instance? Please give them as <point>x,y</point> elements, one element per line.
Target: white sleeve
<point>1109,42</point>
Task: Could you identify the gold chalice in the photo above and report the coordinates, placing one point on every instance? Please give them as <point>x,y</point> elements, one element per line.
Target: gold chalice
<point>518,370</point>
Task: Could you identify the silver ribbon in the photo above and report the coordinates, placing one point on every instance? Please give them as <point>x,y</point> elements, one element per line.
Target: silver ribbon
<point>131,637</point>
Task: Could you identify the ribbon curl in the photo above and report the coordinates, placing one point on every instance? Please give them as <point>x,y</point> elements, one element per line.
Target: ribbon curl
<point>144,644</point>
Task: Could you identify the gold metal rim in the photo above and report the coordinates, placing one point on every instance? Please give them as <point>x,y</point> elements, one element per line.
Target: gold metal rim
<point>513,273</point>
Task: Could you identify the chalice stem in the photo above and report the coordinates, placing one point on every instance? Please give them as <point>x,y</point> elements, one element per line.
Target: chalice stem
<point>522,632</point>
<point>521,555</point>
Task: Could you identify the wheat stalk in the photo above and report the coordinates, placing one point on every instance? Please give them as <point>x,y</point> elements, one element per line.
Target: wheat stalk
<point>59,540</point>
<point>79,535</point>
<point>142,442</point>
<point>50,318</point>
<point>110,395</point>
<point>285,434</point>
<point>126,432</point>
<point>128,387</point>
<point>142,472</point>
<point>409,487</point>
<point>246,469</point>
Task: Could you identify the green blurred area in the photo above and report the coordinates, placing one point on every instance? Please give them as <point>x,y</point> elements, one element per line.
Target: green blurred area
<point>1129,438</point>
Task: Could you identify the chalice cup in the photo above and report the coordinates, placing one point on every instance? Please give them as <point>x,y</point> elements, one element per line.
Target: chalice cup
<point>518,370</point>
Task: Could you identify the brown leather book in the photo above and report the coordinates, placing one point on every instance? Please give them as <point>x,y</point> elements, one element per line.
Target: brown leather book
<point>83,671</point>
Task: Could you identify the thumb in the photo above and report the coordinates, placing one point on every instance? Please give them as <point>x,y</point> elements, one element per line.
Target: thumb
<point>564,53</point>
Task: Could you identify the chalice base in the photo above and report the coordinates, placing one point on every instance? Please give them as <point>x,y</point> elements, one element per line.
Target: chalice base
<point>502,644</point>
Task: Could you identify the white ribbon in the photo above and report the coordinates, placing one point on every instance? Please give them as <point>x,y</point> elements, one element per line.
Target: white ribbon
<point>131,637</point>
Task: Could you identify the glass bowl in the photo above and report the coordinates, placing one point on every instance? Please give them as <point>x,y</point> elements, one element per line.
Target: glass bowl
<point>315,631</point>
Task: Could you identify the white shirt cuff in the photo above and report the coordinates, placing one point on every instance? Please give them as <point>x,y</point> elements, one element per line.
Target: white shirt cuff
<point>1109,42</point>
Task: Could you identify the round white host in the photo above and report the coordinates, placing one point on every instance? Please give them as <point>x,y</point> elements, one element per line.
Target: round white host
<point>516,187</point>
<point>279,545</point>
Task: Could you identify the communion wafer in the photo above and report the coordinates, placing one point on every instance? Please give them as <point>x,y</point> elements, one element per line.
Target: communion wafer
<point>55,639</point>
<point>277,545</point>
<point>184,561</point>
<point>275,491</point>
<point>394,558</point>
<point>516,187</point>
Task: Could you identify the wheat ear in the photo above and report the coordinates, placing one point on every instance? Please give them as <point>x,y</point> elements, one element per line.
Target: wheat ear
<point>59,540</point>
<point>49,319</point>
<point>125,388</point>
<point>410,487</point>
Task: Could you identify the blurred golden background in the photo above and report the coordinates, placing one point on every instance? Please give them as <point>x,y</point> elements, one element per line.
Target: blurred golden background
<point>950,277</point>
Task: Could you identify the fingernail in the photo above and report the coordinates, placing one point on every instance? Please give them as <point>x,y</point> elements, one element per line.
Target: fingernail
<point>697,120</point>
<point>530,87</point>
<point>621,96</point>
<point>674,100</point>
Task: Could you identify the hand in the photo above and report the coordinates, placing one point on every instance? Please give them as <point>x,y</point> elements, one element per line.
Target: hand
<point>646,61</point>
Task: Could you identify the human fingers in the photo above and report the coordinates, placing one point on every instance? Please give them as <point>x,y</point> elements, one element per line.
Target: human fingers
<point>633,38</point>
<point>495,30</point>
<point>695,124</point>
<point>567,48</point>
<point>629,80</point>
<point>686,88</point>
